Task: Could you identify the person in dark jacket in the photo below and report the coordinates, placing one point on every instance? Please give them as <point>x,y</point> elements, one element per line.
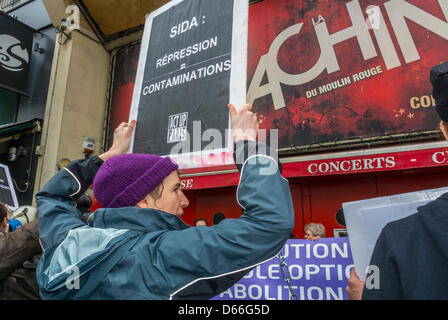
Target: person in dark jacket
<point>218,217</point>
<point>19,253</point>
<point>411,254</point>
<point>137,247</point>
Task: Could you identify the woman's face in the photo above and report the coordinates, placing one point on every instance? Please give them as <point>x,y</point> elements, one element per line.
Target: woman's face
<point>172,200</point>
<point>308,235</point>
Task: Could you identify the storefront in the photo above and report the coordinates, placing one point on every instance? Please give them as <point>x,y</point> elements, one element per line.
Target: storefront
<point>349,108</point>
<point>27,44</point>
<point>352,106</point>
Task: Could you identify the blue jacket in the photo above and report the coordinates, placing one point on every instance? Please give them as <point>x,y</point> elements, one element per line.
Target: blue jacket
<point>133,253</point>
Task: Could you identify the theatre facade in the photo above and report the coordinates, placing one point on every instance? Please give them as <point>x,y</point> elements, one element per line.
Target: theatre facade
<point>341,89</point>
<point>352,120</point>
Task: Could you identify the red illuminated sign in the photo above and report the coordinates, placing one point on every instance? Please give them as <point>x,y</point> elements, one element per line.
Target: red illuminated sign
<point>334,164</point>
<point>327,70</point>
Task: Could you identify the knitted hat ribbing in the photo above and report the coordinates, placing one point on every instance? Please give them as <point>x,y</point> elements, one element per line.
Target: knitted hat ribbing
<point>124,180</point>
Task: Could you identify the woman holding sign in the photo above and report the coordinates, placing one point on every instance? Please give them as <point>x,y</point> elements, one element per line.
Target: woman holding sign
<point>138,247</point>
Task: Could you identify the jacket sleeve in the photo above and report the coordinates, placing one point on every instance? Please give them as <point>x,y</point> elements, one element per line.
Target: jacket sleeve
<point>235,245</point>
<point>17,247</point>
<point>56,202</point>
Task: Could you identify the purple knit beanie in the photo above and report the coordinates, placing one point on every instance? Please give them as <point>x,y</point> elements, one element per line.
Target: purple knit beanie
<point>125,180</point>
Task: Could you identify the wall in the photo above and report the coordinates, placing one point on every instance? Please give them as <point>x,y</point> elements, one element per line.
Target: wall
<point>77,101</point>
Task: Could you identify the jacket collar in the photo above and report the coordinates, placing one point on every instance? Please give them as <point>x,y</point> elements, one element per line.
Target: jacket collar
<point>138,219</point>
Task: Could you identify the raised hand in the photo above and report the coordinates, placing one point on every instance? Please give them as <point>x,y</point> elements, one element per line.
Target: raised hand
<point>244,123</point>
<point>122,140</point>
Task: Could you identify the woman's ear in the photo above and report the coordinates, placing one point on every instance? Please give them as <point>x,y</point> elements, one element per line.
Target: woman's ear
<point>145,203</point>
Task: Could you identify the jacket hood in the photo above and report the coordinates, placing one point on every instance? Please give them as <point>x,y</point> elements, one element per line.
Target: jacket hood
<point>77,266</point>
<point>138,219</point>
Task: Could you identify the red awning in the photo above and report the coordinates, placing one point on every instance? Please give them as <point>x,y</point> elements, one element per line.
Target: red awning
<point>406,157</point>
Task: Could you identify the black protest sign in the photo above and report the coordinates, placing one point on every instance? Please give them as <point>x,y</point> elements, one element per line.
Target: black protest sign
<point>16,41</point>
<point>184,77</point>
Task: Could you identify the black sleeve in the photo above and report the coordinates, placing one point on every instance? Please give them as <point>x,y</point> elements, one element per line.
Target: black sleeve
<point>85,171</point>
<point>56,201</point>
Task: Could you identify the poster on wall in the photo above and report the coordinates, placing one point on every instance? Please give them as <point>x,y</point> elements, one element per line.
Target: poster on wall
<point>192,64</point>
<point>16,41</point>
<point>324,71</point>
<point>126,62</point>
<point>7,192</point>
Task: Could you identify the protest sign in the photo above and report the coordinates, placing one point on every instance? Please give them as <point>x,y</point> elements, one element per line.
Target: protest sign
<point>192,65</point>
<point>7,192</point>
<point>319,270</point>
<point>365,220</point>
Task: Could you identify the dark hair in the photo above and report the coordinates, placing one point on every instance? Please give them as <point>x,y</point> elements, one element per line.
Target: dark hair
<point>218,217</point>
<point>201,219</point>
<point>3,211</point>
<point>157,192</point>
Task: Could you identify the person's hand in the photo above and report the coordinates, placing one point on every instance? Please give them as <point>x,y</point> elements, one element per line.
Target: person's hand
<point>444,128</point>
<point>244,123</point>
<point>122,140</point>
<point>355,286</point>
